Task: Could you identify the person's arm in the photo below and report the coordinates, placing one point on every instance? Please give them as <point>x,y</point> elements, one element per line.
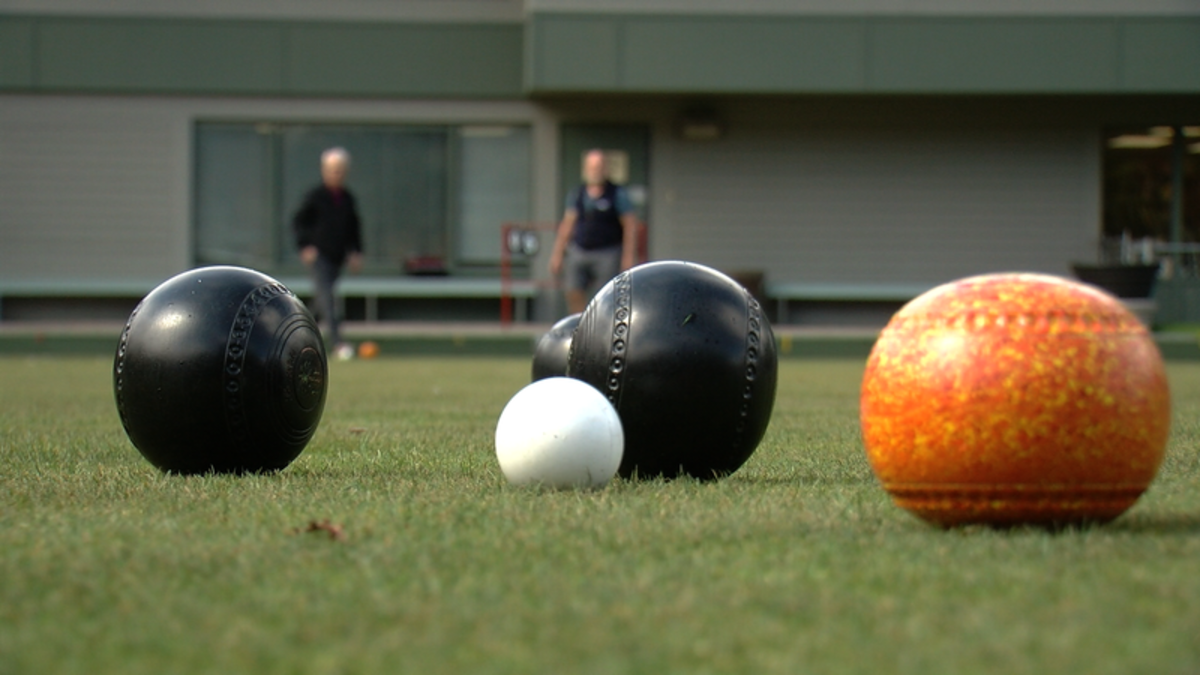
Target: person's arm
<point>629,240</point>
<point>629,229</point>
<point>354,244</point>
<point>302,226</point>
<point>565,229</point>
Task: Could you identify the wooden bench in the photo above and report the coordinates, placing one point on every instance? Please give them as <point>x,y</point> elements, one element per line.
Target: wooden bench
<point>783,293</point>
<point>371,289</point>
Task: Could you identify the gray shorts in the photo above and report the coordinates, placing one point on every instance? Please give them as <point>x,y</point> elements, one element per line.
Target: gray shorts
<point>584,269</point>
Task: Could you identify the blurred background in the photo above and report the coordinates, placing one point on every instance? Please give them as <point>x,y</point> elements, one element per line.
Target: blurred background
<point>837,157</point>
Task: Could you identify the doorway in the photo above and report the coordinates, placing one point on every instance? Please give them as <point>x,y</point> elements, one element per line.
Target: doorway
<point>627,147</point>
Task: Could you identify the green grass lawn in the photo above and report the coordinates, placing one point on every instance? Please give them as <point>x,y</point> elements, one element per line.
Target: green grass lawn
<point>798,563</point>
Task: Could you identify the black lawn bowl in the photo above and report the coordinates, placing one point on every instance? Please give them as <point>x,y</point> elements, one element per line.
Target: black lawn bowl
<point>686,356</point>
<point>220,369</point>
<point>551,352</point>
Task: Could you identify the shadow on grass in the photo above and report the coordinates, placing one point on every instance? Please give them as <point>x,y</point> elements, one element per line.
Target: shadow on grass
<point>803,480</point>
<point>1152,524</point>
<point>1158,523</point>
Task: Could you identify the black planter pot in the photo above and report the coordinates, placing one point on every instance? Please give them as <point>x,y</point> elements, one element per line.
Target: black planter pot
<point>1123,281</point>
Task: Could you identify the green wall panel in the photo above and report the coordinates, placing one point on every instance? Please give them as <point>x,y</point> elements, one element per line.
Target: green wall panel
<point>1007,55</point>
<point>734,55</point>
<point>1161,55</point>
<point>414,60</point>
<point>50,53</point>
<point>605,53</point>
<point>572,53</point>
<point>16,53</point>
<point>682,53</point>
<point>159,55</point>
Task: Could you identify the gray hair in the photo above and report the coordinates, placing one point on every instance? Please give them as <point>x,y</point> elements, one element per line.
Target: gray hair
<point>336,154</point>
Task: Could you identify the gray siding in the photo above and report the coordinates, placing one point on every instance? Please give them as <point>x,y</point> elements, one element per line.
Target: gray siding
<point>89,190</point>
<point>100,188</point>
<point>880,204</point>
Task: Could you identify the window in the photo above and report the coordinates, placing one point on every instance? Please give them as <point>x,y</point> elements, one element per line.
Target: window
<point>1141,168</point>
<point>493,189</point>
<point>423,191</point>
<point>235,202</point>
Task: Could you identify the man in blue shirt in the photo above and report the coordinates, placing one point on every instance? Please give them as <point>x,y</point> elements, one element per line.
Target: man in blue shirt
<point>597,237</point>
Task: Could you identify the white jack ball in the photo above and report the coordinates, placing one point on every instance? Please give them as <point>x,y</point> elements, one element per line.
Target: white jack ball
<point>559,432</point>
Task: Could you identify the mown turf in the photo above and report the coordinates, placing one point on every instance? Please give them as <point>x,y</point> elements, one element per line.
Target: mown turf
<point>797,563</point>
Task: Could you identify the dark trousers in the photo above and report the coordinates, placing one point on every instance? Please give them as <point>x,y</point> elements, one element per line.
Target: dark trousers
<point>325,274</point>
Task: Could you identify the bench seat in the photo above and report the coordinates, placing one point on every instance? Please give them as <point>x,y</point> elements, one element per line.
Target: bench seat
<point>784,292</point>
<point>371,289</point>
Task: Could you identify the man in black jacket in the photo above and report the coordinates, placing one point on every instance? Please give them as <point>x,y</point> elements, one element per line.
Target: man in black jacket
<point>328,234</point>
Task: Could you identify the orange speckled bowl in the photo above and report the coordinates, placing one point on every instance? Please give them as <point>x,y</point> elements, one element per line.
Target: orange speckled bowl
<point>1013,399</point>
